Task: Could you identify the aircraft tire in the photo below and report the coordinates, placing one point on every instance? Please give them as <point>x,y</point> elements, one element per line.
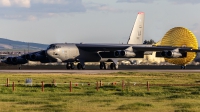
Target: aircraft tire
<point>20,67</point>
<point>104,66</point>
<point>68,66</point>
<point>101,65</point>
<point>72,65</point>
<point>79,66</point>
<point>183,67</point>
<point>112,66</point>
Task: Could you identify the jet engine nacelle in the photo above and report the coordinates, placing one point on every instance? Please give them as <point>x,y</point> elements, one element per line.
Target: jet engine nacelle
<point>123,53</point>
<point>9,60</point>
<point>37,57</point>
<point>28,56</point>
<point>19,60</point>
<point>117,53</point>
<point>163,53</point>
<point>127,54</point>
<point>171,54</point>
<point>15,60</point>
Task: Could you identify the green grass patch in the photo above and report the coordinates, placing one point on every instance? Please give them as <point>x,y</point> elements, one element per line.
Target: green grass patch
<point>109,97</point>
<point>135,106</point>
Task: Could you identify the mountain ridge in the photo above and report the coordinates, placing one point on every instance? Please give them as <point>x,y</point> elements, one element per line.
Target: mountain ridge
<point>14,44</point>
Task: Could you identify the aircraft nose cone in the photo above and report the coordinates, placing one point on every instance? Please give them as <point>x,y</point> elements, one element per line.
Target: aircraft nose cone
<point>49,52</point>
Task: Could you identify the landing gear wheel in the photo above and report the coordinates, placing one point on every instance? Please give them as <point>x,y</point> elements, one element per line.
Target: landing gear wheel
<point>72,65</point>
<point>113,66</point>
<point>68,66</point>
<point>102,65</point>
<point>183,67</point>
<point>79,66</point>
<point>20,66</point>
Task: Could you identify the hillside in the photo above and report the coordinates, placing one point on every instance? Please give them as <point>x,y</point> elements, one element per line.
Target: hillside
<point>12,44</point>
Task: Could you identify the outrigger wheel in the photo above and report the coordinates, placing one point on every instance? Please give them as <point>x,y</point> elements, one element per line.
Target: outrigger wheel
<point>180,37</point>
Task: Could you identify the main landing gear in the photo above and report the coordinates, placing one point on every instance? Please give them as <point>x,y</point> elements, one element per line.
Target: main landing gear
<point>103,65</point>
<point>113,66</point>
<point>80,66</point>
<point>70,66</point>
<point>183,67</point>
<point>20,66</point>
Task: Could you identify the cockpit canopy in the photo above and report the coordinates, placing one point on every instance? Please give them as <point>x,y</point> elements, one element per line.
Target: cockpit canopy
<point>53,46</point>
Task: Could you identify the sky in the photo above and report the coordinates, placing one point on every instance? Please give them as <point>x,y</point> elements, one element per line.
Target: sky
<point>93,21</point>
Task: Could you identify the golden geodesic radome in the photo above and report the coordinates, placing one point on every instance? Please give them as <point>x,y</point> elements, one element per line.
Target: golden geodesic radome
<point>179,37</point>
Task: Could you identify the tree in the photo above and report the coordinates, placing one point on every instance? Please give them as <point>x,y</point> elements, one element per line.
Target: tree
<point>151,41</point>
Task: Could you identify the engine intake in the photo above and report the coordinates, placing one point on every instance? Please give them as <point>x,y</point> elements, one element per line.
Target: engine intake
<point>19,60</point>
<point>123,53</point>
<point>9,60</point>
<point>127,54</point>
<point>171,54</point>
<point>163,53</point>
<point>116,53</point>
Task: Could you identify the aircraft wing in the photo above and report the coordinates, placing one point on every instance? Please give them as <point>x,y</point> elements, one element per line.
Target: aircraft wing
<point>162,48</point>
<point>114,47</point>
<point>102,47</point>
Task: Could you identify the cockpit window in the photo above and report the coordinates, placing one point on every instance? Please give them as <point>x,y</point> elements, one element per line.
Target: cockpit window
<point>57,47</point>
<point>52,46</point>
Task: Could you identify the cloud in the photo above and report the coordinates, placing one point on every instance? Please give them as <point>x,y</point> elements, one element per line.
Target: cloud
<point>34,9</point>
<point>136,1</point>
<point>5,3</point>
<point>17,3</point>
<point>196,29</point>
<point>151,1</point>
<point>185,1</point>
<point>51,1</point>
<point>101,7</point>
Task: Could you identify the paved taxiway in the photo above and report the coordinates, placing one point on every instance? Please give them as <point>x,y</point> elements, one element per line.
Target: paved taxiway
<point>95,71</point>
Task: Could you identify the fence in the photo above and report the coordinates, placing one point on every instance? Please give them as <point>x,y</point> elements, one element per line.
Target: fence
<point>97,84</point>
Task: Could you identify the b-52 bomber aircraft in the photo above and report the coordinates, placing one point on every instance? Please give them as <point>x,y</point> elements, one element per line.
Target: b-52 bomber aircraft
<point>178,46</point>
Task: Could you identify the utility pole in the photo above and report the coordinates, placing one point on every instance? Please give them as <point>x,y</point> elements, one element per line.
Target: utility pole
<point>28,47</point>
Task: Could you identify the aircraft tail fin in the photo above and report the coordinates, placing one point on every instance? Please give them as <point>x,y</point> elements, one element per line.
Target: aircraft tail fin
<point>137,33</point>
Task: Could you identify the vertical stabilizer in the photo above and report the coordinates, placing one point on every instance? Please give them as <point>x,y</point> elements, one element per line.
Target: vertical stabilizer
<point>137,33</point>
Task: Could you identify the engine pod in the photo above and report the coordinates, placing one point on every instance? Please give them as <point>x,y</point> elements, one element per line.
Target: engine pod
<point>180,37</point>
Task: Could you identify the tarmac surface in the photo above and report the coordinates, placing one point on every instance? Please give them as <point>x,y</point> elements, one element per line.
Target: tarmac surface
<point>94,69</point>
